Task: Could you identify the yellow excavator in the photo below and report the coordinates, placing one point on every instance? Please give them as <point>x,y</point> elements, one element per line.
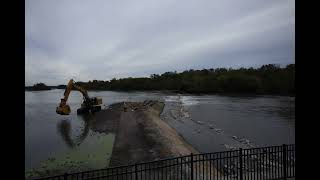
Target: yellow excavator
<point>89,105</point>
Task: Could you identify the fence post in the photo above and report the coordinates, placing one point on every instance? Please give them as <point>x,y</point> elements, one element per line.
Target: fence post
<point>136,171</point>
<point>191,156</point>
<point>240,161</point>
<point>284,160</point>
<point>65,177</point>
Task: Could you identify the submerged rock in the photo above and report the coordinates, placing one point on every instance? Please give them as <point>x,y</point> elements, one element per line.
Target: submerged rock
<point>218,130</point>
<point>229,147</point>
<point>200,122</point>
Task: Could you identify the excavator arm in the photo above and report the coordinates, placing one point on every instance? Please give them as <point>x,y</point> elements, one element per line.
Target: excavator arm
<point>88,103</point>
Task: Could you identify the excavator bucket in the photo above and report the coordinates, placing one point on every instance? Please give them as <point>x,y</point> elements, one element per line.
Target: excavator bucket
<point>63,110</point>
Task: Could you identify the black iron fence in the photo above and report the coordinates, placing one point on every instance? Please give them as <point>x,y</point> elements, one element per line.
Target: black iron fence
<point>274,162</point>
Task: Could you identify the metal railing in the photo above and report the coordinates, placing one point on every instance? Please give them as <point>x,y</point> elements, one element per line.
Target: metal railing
<point>274,162</point>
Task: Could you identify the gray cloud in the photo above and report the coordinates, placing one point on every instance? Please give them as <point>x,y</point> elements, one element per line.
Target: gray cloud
<point>98,39</point>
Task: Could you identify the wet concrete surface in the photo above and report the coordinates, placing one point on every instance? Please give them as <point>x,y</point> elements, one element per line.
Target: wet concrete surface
<point>141,135</point>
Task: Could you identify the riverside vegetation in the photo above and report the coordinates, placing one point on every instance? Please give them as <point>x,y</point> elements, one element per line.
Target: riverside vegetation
<point>267,79</point>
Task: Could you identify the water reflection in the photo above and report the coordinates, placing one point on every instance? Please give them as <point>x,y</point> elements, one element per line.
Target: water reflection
<point>65,130</point>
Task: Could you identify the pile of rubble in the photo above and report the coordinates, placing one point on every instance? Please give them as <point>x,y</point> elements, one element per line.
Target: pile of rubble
<point>134,106</point>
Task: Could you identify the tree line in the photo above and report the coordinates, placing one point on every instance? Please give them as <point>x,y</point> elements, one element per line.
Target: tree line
<point>38,87</point>
<point>43,87</point>
<point>267,79</point>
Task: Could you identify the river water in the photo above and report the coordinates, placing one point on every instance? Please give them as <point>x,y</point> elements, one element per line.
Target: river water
<point>208,122</point>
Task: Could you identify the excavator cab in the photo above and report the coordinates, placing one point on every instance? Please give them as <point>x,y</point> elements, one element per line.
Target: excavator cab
<point>92,105</point>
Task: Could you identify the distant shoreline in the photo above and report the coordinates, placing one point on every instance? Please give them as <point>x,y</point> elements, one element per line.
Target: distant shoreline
<point>182,93</point>
<point>43,89</point>
<point>268,79</point>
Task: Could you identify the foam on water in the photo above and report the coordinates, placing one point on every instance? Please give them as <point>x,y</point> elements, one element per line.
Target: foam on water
<point>189,100</point>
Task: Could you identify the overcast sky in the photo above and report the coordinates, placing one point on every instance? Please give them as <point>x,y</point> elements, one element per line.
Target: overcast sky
<point>102,39</point>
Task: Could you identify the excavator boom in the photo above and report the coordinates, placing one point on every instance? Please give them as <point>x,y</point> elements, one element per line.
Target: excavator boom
<point>88,105</point>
